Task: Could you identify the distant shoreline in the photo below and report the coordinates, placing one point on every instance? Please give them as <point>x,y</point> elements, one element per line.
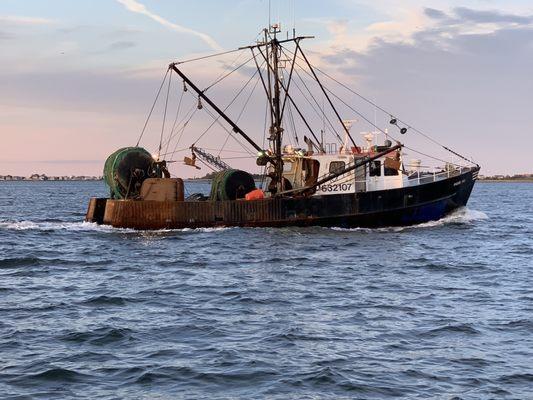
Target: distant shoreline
<point>46,178</point>
<point>506,180</point>
<point>51,180</point>
<point>192,180</point>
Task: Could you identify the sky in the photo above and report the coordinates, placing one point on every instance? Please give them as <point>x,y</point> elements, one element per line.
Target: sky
<point>78,78</point>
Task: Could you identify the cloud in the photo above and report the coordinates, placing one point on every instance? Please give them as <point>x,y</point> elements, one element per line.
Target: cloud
<point>345,33</point>
<point>435,14</point>
<point>91,91</point>
<point>122,45</point>
<point>468,18</point>
<point>117,46</point>
<point>467,88</point>
<point>5,35</point>
<point>73,29</point>
<point>136,7</point>
<point>21,20</point>
<point>482,16</point>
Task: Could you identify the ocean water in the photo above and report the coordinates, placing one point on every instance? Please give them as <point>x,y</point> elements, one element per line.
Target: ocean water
<point>440,310</point>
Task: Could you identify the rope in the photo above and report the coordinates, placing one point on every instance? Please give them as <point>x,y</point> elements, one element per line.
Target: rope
<point>240,114</point>
<point>237,158</point>
<point>389,134</point>
<point>391,114</point>
<point>460,156</point>
<point>208,56</point>
<point>177,151</point>
<point>322,113</point>
<point>185,120</point>
<point>267,109</point>
<point>247,100</point>
<point>182,130</point>
<point>231,65</point>
<point>216,54</point>
<point>350,107</point>
<point>209,149</point>
<point>152,109</point>
<point>228,151</point>
<point>227,130</point>
<point>207,165</point>
<point>164,118</point>
<point>228,74</point>
<point>232,101</point>
<point>433,157</point>
<point>353,109</point>
<point>175,120</point>
<point>290,123</point>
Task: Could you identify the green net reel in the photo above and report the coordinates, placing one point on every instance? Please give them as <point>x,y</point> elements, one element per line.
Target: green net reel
<point>126,169</point>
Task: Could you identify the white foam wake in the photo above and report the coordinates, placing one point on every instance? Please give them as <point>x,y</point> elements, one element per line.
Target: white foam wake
<point>54,226</point>
<point>460,216</point>
<point>204,230</point>
<point>88,227</point>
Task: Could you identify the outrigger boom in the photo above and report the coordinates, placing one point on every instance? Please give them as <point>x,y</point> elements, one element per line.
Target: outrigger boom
<point>235,127</point>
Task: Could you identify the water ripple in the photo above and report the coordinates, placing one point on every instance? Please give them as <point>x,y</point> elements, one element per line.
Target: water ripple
<point>437,310</point>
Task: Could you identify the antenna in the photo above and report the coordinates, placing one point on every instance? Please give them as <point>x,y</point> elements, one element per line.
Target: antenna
<point>376,132</point>
<point>348,123</point>
<point>293,18</point>
<point>279,13</point>
<point>269,13</point>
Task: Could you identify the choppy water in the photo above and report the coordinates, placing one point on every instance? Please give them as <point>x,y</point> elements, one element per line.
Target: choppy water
<point>441,310</point>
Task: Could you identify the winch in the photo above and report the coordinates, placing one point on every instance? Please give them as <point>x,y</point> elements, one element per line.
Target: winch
<point>127,168</point>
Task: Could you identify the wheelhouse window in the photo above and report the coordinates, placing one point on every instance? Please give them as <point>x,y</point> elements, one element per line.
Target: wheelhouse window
<point>375,168</point>
<point>391,166</point>
<point>336,166</point>
<point>390,171</point>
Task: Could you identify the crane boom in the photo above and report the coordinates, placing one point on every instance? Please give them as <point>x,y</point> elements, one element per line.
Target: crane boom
<point>210,159</point>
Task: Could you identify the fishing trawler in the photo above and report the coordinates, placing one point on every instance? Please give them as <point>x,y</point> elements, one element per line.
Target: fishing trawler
<point>367,182</point>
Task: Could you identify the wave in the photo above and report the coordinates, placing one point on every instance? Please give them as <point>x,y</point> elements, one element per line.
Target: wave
<point>100,336</point>
<point>60,375</point>
<point>56,226</point>
<point>106,301</point>
<point>461,216</point>
<point>520,378</point>
<point>451,329</point>
<point>205,230</point>
<point>521,324</point>
<point>48,226</point>
<point>19,262</point>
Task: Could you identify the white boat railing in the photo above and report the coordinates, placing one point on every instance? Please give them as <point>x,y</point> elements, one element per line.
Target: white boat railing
<point>419,178</point>
<point>428,177</point>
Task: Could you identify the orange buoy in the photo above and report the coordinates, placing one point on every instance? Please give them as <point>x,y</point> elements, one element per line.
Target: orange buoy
<point>256,194</point>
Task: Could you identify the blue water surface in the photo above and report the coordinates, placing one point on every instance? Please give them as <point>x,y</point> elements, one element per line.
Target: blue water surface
<point>439,310</point>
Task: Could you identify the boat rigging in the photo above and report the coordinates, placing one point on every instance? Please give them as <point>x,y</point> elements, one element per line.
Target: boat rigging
<point>359,184</point>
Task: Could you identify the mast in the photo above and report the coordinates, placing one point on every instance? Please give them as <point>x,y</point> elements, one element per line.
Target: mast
<point>276,128</point>
<point>274,87</point>
<point>269,81</point>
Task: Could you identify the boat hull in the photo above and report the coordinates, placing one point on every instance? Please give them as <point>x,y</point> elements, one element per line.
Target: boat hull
<point>393,207</point>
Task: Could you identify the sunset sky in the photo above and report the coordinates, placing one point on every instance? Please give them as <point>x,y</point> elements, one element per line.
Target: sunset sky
<point>77,78</point>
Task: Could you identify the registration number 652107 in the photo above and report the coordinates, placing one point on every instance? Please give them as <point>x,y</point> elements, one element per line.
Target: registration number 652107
<point>336,187</point>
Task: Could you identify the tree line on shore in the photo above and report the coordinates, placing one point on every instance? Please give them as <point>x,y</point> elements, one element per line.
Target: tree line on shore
<point>517,177</point>
<point>43,177</point>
